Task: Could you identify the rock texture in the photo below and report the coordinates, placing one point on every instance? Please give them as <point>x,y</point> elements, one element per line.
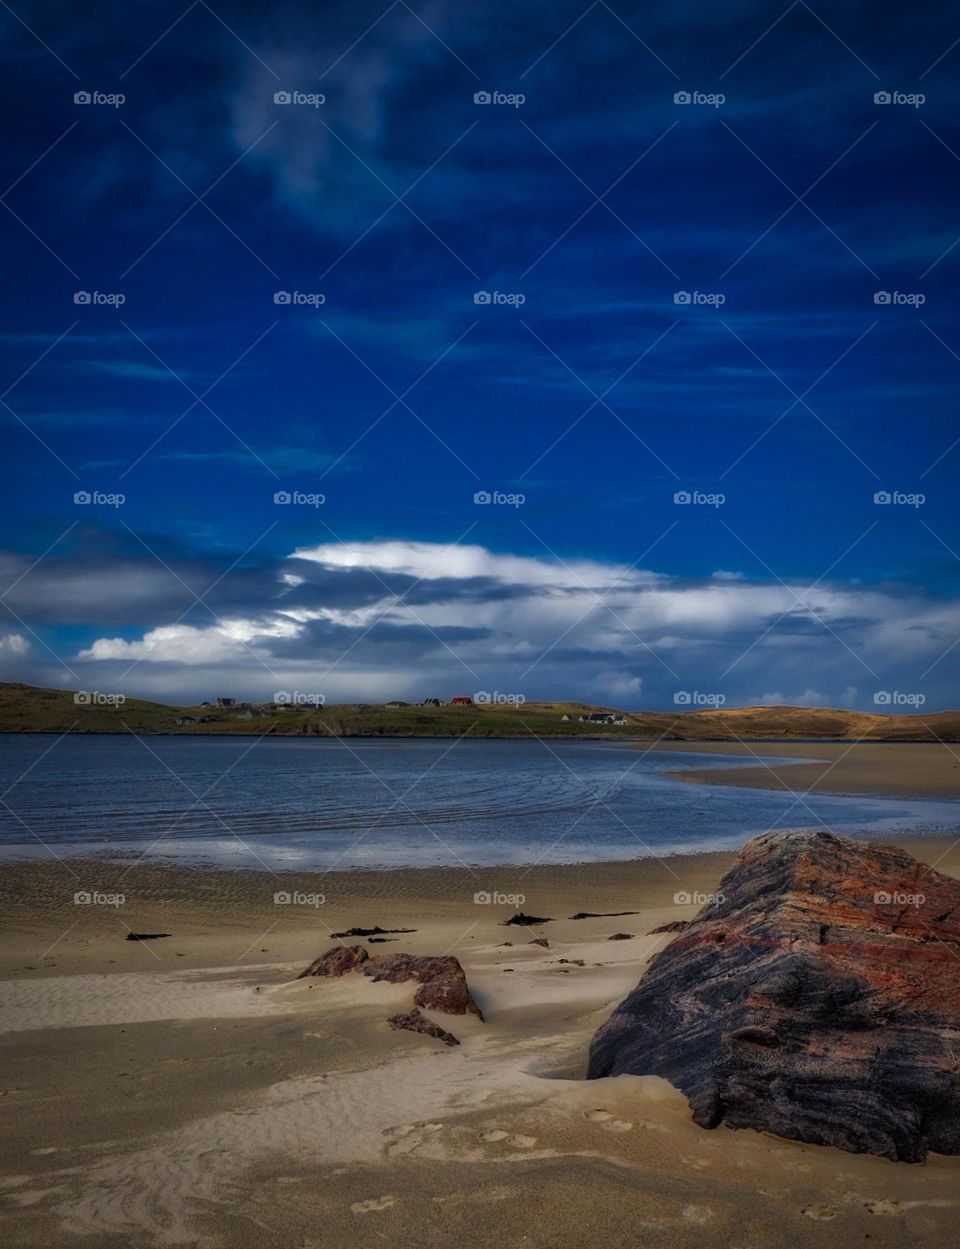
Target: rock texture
<point>674,925</point>
<point>526,921</point>
<point>601,914</point>
<point>818,998</point>
<point>370,932</point>
<point>413,1021</point>
<point>443,984</point>
<point>337,961</point>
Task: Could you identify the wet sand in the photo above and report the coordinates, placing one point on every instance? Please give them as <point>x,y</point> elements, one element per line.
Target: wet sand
<point>890,769</point>
<point>189,1091</point>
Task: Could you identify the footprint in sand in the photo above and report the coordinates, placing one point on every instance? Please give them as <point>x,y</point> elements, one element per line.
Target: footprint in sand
<point>41,1153</point>
<point>820,1212</point>
<point>372,1204</point>
<point>695,1164</point>
<point>605,1118</point>
<point>515,1140</point>
<point>409,1137</point>
<point>883,1205</point>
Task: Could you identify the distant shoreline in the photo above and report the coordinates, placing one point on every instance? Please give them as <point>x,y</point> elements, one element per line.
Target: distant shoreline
<point>31,709</point>
<point>902,770</point>
<point>619,739</point>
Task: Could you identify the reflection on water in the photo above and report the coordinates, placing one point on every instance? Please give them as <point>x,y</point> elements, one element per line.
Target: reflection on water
<point>322,803</point>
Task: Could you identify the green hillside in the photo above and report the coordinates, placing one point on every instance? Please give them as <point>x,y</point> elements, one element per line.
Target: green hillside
<point>29,709</point>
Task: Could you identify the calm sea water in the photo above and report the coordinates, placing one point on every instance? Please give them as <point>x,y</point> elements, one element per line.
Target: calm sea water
<point>321,803</point>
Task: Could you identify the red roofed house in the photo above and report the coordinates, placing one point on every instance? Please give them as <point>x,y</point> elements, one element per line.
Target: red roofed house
<point>461,700</point>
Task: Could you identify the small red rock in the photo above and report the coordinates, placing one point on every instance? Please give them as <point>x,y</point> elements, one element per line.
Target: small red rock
<point>414,1021</point>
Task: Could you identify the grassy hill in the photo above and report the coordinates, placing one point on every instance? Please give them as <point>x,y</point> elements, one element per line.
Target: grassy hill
<point>28,709</point>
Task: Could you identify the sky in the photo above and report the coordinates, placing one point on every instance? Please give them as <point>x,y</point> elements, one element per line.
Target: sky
<point>578,351</point>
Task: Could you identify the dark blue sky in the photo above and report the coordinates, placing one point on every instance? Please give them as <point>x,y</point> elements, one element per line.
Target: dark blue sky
<point>782,208</point>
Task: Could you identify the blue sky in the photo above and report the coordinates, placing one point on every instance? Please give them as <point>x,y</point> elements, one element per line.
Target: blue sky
<point>780,396</point>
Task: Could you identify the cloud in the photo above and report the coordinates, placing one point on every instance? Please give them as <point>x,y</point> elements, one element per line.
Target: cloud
<point>336,174</point>
<point>391,616</point>
<point>434,561</point>
<point>185,644</point>
<point>283,458</point>
<point>13,644</point>
<point>137,371</point>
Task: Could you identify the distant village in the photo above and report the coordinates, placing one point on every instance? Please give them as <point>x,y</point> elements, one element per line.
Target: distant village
<point>253,711</point>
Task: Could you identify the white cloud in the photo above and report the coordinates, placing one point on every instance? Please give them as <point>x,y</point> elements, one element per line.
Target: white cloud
<point>434,561</point>
<point>229,640</point>
<point>464,615</point>
<point>13,644</point>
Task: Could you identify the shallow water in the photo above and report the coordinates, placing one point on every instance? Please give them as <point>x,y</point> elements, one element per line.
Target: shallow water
<point>325,803</point>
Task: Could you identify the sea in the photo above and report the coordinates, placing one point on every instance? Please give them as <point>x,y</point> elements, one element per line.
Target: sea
<point>327,804</point>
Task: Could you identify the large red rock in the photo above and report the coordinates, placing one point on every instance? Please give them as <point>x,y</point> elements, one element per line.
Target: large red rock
<point>337,961</point>
<point>818,998</point>
<point>443,984</point>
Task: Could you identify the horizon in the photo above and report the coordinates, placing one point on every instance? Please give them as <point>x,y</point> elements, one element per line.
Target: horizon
<point>494,701</point>
<point>641,384</point>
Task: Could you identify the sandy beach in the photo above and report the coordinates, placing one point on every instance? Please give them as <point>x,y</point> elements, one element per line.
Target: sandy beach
<point>893,769</point>
<point>189,1091</point>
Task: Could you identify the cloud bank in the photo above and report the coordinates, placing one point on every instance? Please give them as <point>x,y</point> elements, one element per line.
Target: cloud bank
<point>398,618</point>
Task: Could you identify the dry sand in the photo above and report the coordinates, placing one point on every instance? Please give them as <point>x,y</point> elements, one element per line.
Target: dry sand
<point>900,769</point>
<point>190,1092</point>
